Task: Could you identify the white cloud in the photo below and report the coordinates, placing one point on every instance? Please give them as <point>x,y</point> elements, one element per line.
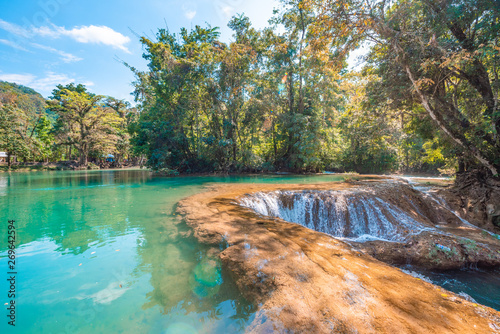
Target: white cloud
<point>13,44</point>
<point>84,34</point>
<point>97,35</point>
<point>14,29</point>
<point>50,82</point>
<point>190,14</point>
<point>46,31</point>
<point>227,10</point>
<point>66,57</point>
<point>189,9</point>
<point>224,10</point>
<point>20,79</point>
<point>44,85</point>
<point>88,83</point>
<point>28,34</point>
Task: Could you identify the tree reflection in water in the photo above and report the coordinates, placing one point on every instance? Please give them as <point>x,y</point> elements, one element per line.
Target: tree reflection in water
<point>109,255</point>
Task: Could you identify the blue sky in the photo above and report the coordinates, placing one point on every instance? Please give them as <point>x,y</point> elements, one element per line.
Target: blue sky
<point>48,42</point>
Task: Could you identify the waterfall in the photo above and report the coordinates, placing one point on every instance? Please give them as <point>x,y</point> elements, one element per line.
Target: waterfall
<point>358,215</point>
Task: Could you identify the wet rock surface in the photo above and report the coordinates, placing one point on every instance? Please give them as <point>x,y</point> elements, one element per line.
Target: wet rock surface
<point>304,281</point>
<point>392,221</point>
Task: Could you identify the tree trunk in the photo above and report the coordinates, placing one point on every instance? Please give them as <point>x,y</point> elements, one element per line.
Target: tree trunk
<point>291,99</point>
<point>477,75</point>
<point>290,93</point>
<point>275,147</point>
<point>479,80</point>
<point>456,137</point>
<point>461,164</point>
<point>301,95</point>
<point>82,152</point>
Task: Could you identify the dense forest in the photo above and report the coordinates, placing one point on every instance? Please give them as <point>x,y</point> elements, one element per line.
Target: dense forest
<point>286,98</point>
<point>73,123</point>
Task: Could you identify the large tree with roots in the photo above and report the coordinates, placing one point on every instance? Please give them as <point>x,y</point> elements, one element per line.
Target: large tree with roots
<point>443,54</point>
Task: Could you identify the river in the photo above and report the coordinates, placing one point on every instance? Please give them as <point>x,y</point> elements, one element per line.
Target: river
<point>104,252</point>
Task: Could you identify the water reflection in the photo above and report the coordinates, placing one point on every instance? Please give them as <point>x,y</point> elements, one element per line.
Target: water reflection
<point>102,252</point>
<point>190,286</point>
<point>4,181</point>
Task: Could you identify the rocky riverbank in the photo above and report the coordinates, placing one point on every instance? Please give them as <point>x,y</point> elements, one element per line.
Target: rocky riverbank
<point>306,281</point>
<point>475,196</point>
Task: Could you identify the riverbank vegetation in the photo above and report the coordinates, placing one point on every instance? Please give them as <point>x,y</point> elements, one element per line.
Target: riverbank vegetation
<point>288,97</point>
<point>72,124</point>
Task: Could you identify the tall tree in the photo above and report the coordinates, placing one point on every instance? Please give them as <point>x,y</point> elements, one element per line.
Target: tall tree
<point>194,99</point>
<point>126,115</point>
<point>23,111</point>
<point>83,122</point>
<point>12,132</point>
<point>445,51</point>
<point>312,91</point>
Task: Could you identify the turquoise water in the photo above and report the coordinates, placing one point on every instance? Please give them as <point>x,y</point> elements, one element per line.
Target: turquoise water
<point>104,252</point>
<point>482,285</point>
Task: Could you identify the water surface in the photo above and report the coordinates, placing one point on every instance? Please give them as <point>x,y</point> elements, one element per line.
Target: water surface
<point>104,252</point>
<point>482,285</point>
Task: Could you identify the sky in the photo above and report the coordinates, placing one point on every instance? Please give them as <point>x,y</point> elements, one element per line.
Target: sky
<point>44,43</point>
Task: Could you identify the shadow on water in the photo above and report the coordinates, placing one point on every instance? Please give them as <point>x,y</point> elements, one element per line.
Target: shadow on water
<point>188,280</point>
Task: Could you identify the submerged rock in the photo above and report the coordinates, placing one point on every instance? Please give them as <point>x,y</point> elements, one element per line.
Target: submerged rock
<point>306,281</point>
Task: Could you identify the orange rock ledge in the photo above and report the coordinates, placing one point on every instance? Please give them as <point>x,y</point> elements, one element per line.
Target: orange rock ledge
<point>303,281</point>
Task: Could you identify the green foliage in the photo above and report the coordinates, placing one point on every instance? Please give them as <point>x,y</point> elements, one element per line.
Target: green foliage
<point>74,120</point>
<point>13,132</point>
<point>369,136</point>
<point>193,102</point>
<point>94,126</point>
<point>282,98</point>
<point>46,139</point>
<point>22,110</point>
<point>210,106</point>
<point>470,245</point>
<point>440,55</point>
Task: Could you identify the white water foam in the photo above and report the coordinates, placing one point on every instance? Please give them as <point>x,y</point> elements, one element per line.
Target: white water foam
<point>354,215</point>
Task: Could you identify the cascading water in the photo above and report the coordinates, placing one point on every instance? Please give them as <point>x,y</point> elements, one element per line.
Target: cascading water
<point>395,211</point>
<point>358,215</point>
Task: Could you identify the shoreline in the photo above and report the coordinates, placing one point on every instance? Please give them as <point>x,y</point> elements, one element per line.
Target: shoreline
<point>52,168</point>
<point>306,281</point>
<point>354,175</point>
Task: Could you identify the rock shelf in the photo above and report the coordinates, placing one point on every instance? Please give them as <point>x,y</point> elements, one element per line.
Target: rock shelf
<point>304,281</point>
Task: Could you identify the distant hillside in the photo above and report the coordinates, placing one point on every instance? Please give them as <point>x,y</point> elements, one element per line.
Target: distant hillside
<point>9,86</point>
<point>23,97</point>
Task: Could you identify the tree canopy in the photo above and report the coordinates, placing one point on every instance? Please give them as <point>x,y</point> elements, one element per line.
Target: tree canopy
<point>440,55</point>
<point>35,129</point>
<point>285,98</point>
